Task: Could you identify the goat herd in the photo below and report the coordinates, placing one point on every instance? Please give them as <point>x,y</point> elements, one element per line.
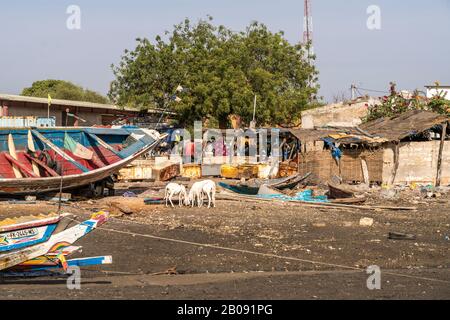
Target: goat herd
<point>196,193</point>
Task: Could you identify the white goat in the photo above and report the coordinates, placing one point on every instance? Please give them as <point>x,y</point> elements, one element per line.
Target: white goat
<point>176,189</point>
<point>198,190</point>
<point>209,188</point>
<point>195,193</point>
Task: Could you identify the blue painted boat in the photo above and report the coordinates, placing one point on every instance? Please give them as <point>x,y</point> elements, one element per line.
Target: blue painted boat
<point>37,243</point>
<point>34,160</point>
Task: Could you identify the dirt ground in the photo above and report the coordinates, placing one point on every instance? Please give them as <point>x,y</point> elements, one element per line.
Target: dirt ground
<point>249,250</point>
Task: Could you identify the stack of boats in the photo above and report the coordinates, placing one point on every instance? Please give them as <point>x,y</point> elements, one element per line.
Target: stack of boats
<point>42,160</point>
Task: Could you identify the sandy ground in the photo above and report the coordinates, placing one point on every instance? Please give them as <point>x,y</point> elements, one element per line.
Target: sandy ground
<point>244,250</point>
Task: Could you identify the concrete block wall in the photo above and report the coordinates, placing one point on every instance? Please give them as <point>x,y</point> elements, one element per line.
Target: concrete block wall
<point>417,163</point>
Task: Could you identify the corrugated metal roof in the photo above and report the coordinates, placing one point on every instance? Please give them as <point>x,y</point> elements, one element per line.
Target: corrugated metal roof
<point>71,103</point>
<point>82,104</point>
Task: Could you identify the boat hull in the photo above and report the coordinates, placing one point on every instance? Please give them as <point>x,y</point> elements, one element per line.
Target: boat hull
<point>60,239</point>
<point>28,186</point>
<point>85,175</point>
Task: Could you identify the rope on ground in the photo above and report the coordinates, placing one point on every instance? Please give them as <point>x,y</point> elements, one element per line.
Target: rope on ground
<point>269,255</point>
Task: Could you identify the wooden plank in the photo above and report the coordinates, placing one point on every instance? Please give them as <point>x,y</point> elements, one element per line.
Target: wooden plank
<point>33,149</point>
<point>441,151</point>
<point>59,151</point>
<point>52,172</point>
<point>365,171</point>
<point>12,152</point>
<point>238,197</point>
<point>21,166</point>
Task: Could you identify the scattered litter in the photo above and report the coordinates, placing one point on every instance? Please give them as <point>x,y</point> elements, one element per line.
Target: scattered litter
<point>129,194</point>
<point>401,236</point>
<point>21,202</point>
<point>171,272</point>
<point>319,225</point>
<point>65,197</point>
<point>389,194</point>
<point>366,222</point>
<point>153,201</point>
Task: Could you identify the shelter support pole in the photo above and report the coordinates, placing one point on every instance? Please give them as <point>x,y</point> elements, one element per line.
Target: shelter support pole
<point>396,163</point>
<point>441,150</point>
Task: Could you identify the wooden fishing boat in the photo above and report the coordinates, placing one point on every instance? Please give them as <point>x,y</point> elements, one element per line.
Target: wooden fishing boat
<point>38,243</point>
<point>34,160</point>
<point>252,188</point>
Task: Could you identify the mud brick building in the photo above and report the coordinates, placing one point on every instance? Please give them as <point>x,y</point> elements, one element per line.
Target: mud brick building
<point>411,148</point>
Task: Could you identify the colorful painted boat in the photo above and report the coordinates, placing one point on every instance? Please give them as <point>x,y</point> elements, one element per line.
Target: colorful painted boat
<point>37,243</point>
<point>33,160</point>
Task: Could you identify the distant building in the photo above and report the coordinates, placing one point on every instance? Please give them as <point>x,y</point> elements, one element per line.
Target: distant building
<point>93,113</point>
<point>434,90</point>
<point>343,114</point>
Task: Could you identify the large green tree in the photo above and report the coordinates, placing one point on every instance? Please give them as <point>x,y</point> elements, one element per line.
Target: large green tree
<point>222,71</point>
<point>59,89</point>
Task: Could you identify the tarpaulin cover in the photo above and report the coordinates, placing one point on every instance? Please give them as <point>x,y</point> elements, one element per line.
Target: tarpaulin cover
<point>306,195</point>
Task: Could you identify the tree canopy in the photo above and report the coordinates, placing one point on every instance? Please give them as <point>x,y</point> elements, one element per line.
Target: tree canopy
<point>59,89</point>
<point>221,72</point>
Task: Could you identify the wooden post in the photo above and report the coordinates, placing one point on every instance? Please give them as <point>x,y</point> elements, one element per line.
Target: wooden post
<point>396,162</point>
<point>441,150</point>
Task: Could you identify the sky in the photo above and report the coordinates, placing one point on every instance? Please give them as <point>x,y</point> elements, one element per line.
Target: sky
<point>412,48</point>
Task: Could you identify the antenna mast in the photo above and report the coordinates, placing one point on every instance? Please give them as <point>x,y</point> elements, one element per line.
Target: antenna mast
<point>308,27</point>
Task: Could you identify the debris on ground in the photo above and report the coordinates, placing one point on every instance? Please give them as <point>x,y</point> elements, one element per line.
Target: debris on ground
<point>129,194</point>
<point>366,222</point>
<point>401,236</point>
<point>170,272</point>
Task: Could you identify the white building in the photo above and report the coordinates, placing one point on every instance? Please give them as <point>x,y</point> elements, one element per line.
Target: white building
<point>433,90</point>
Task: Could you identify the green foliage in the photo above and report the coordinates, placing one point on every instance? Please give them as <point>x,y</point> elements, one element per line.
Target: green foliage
<point>397,103</point>
<point>222,70</point>
<point>439,104</point>
<point>59,89</point>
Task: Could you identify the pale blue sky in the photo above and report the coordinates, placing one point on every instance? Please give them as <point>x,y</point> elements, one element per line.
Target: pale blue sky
<point>412,48</point>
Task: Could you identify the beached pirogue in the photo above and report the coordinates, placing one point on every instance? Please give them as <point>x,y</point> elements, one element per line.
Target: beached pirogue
<point>31,244</point>
<point>34,160</point>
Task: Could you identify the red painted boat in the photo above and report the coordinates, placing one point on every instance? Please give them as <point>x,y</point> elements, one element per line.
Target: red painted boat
<point>35,160</point>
